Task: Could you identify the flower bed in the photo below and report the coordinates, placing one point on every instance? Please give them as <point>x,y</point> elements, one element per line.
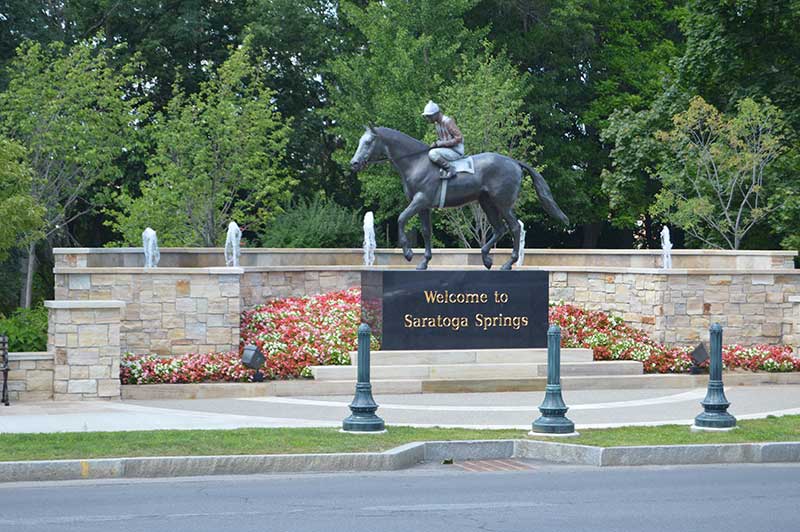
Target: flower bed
<point>610,338</point>
<point>209,367</point>
<point>298,332</point>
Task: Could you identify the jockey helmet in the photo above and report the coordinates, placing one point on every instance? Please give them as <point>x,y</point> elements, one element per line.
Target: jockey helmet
<point>430,109</point>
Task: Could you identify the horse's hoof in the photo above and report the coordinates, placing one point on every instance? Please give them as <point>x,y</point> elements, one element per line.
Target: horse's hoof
<point>487,261</point>
<point>507,266</point>
<point>408,254</point>
<point>422,265</point>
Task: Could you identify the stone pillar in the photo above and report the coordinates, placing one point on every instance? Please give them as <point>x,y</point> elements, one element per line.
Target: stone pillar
<point>84,339</point>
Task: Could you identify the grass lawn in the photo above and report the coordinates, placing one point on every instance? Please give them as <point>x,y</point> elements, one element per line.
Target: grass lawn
<point>326,440</point>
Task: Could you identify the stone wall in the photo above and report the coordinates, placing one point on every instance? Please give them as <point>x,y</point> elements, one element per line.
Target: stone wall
<point>679,307</point>
<point>179,310</point>
<point>258,287</point>
<point>753,308</point>
<point>84,338</point>
<point>168,310</point>
<point>30,376</point>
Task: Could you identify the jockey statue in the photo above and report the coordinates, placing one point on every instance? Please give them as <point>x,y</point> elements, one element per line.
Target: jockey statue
<point>450,143</point>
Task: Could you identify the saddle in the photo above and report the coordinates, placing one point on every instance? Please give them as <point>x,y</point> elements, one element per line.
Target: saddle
<point>464,165</point>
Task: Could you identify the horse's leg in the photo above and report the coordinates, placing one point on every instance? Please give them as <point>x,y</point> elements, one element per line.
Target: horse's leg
<point>425,219</point>
<point>513,223</point>
<point>416,205</point>
<point>498,228</point>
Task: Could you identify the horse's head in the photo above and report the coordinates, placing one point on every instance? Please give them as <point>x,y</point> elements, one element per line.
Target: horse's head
<point>368,149</point>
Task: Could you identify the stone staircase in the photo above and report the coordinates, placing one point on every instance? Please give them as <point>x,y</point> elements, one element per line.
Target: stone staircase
<point>468,370</point>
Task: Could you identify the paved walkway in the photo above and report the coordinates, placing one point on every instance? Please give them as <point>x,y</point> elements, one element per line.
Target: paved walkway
<point>588,409</point>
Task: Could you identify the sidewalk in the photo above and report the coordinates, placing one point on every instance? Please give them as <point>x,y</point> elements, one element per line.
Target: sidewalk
<point>588,409</point>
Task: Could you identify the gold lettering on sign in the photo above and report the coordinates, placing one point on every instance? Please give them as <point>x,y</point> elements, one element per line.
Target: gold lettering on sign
<point>435,297</point>
<point>435,322</point>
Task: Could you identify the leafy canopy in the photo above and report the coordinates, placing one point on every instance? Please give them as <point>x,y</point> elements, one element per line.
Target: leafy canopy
<point>717,181</point>
<point>67,107</point>
<point>22,217</point>
<point>219,156</point>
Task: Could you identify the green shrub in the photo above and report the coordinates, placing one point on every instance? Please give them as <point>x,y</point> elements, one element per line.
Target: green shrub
<point>26,329</point>
<point>315,224</point>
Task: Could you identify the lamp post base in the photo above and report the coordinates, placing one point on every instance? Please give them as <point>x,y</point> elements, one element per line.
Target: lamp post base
<point>552,425</point>
<point>367,424</point>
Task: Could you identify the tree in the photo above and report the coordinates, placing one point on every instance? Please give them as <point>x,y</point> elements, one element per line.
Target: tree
<point>297,39</point>
<point>737,49</point>
<point>586,58</point>
<point>68,109</point>
<point>219,156</point>
<point>487,97</point>
<point>716,184</point>
<point>733,50</point>
<point>22,217</point>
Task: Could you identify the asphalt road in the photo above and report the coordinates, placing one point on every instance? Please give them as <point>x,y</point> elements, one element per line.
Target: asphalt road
<point>747,498</point>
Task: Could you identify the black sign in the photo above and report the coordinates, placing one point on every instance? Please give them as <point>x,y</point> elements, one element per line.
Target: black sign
<point>456,309</point>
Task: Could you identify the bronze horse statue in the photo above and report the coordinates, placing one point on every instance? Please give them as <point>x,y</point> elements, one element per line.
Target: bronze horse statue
<point>495,185</point>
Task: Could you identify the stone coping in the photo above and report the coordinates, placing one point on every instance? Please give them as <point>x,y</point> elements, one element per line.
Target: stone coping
<point>30,355</point>
<point>85,304</point>
<point>444,251</point>
<point>354,268</point>
<point>217,270</point>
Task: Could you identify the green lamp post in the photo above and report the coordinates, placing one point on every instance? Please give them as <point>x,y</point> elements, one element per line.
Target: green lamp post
<point>553,420</point>
<point>363,418</point>
<point>715,414</point>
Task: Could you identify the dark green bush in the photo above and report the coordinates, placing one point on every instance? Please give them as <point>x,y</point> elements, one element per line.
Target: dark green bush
<point>315,224</point>
<point>26,329</point>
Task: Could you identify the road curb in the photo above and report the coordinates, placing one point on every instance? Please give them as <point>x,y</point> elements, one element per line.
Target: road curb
<point>400,457</point>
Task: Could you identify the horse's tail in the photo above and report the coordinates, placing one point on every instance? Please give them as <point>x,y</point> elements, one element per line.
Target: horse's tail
<point>545,196</point>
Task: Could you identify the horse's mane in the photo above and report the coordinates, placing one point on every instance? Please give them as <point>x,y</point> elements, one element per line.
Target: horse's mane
<point>392,134</point>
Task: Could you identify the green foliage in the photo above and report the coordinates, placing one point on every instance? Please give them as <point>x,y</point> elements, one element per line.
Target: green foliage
<point>21,215</point>
<point>717,180</point>
<point>317,223</point>
<point>586,58</point>
<point>738,49</point>
<point>219,156</point>
<point>299,37</point>
<point>785,202</point>
<point>26,329</point>
<point>67,108</point>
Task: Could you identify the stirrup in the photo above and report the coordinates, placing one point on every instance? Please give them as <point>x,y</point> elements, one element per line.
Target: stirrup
<point>447,173</point>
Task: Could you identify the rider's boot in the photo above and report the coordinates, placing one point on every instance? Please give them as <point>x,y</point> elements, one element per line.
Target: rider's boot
<point>448,171</point>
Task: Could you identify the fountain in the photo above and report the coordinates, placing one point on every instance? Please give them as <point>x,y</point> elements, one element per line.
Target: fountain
<point>666,247</point>
<point>521,259</point>
<point>369,239</point>
<point>150,245</point>
<point>232,245</point>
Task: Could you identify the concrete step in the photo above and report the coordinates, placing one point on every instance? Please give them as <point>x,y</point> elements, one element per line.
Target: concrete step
<point>310,387</point>
<point>471,356</point>
<point>477,371</point>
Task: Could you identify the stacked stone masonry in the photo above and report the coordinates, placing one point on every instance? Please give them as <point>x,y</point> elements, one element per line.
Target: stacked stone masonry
<point>84,338</point>
<point>166,311</point>
<point>30,376</point>
<point>179,310</point>
<point>678,308</point>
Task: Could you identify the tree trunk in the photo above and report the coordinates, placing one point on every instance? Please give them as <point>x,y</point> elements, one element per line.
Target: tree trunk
<point>31,265</point>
